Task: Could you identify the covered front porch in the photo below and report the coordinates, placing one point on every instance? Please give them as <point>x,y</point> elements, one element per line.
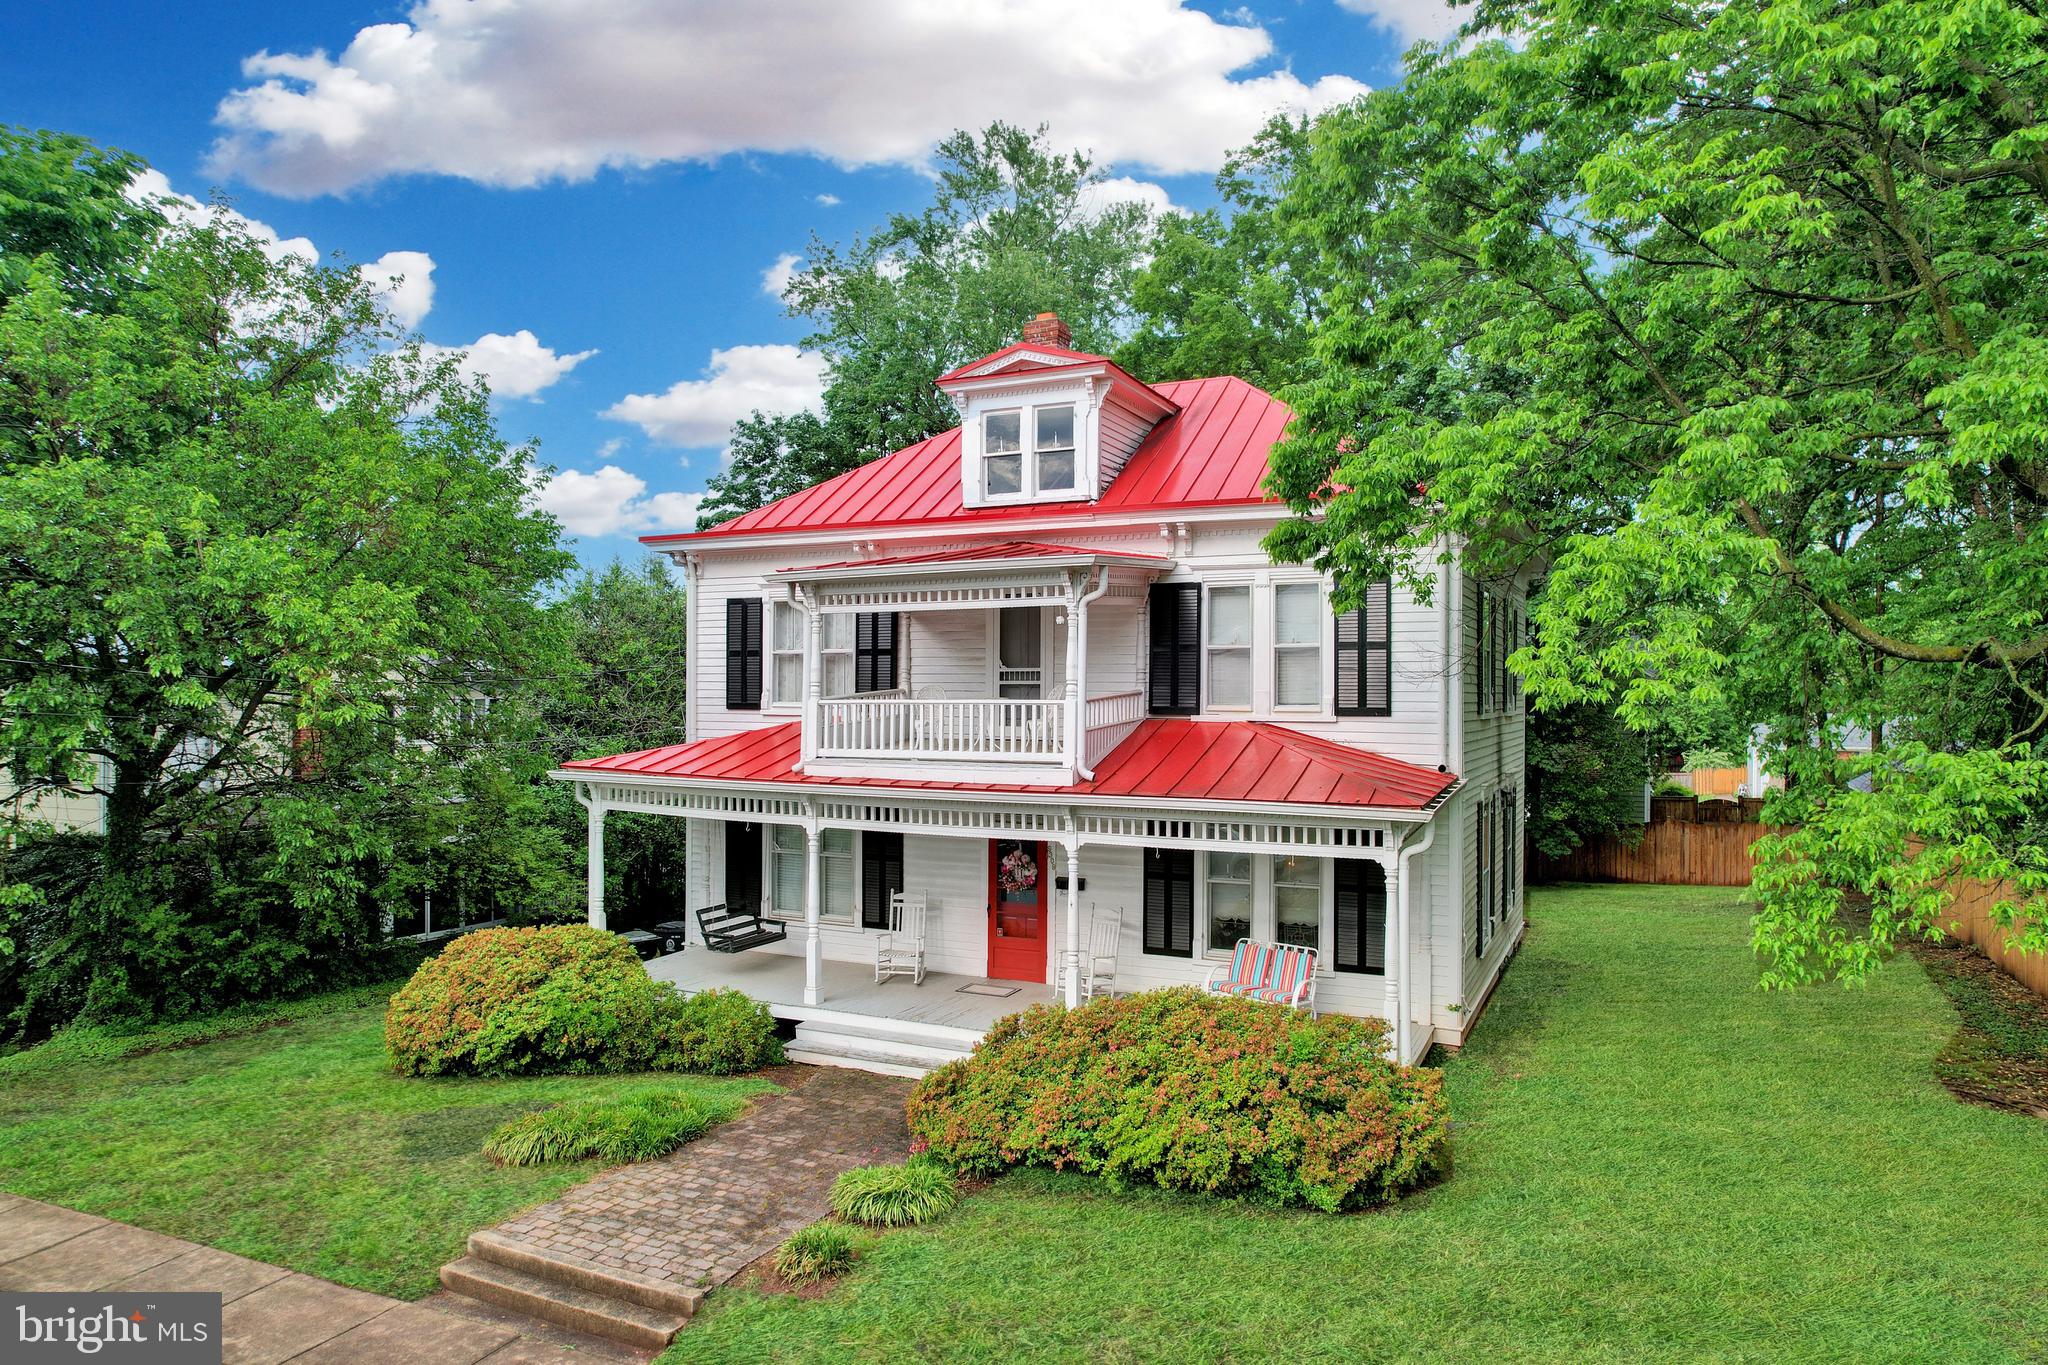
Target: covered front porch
<point>943,1000</point>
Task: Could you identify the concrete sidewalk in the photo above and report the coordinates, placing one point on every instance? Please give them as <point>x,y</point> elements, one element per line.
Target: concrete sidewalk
<point>269,1315</point>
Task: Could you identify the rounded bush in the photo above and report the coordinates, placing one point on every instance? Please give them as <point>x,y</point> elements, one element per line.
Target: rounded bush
<point>560,997</point>
<point>893,1196</point>
<point>816,1251</point>
<point>716,1031</point>
<point>1191,1091</point>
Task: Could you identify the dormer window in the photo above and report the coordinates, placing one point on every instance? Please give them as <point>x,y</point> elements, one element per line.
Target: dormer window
<point>1002,453</point>
<point>1055,446</point>
<point>1012,469</point>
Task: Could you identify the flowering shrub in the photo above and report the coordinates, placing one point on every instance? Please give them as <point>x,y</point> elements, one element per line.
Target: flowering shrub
<point>563,998</point>
<point>718,1031</point>
<point>1195,1092</point>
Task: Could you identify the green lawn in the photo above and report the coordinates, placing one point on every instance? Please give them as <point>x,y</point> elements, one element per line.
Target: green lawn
<point>1654,1161</point>
<point>291,1141</point>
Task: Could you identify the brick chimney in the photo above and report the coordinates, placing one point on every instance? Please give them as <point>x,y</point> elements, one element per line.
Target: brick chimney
<point>1047,330</point>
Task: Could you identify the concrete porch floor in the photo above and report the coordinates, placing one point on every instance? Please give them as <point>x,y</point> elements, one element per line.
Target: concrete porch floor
<point>777,980</point>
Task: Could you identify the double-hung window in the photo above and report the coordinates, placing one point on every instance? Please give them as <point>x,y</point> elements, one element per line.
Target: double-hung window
<point>1229,648</point>
<point>1298,901</point>
<point>786,645</point>
<point>1230,900</point>
<point>1028,451</point>
<point>1298,645</point>
<point>838,637</point>
<point>836,876</point>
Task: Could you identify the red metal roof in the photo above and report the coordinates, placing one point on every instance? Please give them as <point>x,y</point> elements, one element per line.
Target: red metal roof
<point>1165,759</point>
<point>1212,453</point>
<point>1009,549</point>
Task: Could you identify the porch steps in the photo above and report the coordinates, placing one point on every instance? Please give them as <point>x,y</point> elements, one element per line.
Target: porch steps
<point>571,1292</point>
<point>888,1047</point>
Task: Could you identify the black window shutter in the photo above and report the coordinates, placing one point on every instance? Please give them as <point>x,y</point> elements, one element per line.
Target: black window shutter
<point>874,651</point>
<point>742,864</point>
<point>1479,879</point>
<point>1500,654</point>
<point>1485,663</point>
<point>1361,917</point>
<point>881,876</point>
<point>1170,902</point>
<point>1365,675</point>
<point>1176,649</point>
<point>743,654</point>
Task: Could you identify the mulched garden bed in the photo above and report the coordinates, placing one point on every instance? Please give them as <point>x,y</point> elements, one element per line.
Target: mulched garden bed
<point>1999,1057</point>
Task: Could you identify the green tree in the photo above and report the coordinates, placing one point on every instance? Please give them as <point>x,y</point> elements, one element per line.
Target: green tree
<point>262,565</point>
<point>627,628</point>
<point>1586,774</point>
<point>1230,291</point>
<point>1014,229</point>
<point>1735,312</point>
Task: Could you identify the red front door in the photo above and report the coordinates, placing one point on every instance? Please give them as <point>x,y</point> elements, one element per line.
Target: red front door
<point>1016,911</point>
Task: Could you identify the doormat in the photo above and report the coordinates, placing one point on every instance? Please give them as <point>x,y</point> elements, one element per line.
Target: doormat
<point>987,988</point>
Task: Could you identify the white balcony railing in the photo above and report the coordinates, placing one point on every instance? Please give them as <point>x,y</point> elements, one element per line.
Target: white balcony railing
<point>892,727</point>
<point>1108,721</point>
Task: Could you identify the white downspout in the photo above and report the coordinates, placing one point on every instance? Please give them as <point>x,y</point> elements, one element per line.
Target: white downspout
<point>1087,774</point>
<point>1405,1023</point>
<point>1451,721</point>
<point>690,575</point>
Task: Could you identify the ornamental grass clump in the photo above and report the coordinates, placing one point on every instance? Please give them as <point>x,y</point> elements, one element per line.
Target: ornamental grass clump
<point>1190,1091</point>
<point>633,1127</point>
<point>816,1251</point>
<point>893,1196</point>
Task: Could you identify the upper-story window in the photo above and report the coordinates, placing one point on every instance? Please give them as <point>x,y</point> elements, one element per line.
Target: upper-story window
<point>1298,644</point>
<point>1230,648</point>
<point>1011,467</point>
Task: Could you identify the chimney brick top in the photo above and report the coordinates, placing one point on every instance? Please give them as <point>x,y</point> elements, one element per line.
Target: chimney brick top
<point>1047,330</point>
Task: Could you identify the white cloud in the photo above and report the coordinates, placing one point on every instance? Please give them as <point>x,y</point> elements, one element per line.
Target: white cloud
<point>1123,189</point>
<point>830,201</point>
<point>515,366</point>
<point>1409,20</point>
<point>613,501</point>
<point>153,186</point>
<point>776,277</point>
<point>405,279</point>
<point>518,92</point>
<point>739,379</point>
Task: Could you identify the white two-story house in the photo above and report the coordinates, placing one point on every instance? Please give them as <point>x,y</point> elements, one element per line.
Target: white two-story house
<point>1039,669</point>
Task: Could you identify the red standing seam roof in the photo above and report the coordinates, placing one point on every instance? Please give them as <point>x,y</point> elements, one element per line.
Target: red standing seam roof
<point>1211,453</point>
<point>1164,759</point>
<point>1009,549</point>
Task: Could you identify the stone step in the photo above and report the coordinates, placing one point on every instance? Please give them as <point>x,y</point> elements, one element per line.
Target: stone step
<point>880,1026</point>
<point>565,1304</point>
<point>884,1055</point>
<point>663,1295</point>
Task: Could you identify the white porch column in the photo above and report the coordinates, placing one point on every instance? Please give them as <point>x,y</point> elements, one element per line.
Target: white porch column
<point>814,948</point>
<point>1076,614</point>
<point>1396,1028</point>
<point>1073,959</point>
<point>814,676</point>
<point>596,860</point>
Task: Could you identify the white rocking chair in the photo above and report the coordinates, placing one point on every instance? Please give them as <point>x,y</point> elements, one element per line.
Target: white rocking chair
<point>899,949</point>
<point>1098,964</point>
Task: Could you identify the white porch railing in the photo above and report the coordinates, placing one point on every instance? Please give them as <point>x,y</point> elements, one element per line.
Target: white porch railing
<point>1107,721</point>
<point>892,727</point>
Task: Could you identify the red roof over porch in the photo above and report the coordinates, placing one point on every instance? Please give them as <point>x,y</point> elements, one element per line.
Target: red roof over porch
<point>1165,759</point>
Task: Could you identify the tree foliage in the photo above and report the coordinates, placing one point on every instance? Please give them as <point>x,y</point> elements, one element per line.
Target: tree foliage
<point>1228,290</point>
<point>1014,229</point>
<point>270,587</point>
<point>1734,311</point>
<point>1586,774</point>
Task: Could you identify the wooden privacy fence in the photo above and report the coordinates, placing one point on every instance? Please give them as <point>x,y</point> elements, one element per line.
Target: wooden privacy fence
<point>1968,917</point>
<point>1687,843</point>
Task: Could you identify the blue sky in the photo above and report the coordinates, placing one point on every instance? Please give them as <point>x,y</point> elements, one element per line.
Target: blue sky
<point>593,189</point>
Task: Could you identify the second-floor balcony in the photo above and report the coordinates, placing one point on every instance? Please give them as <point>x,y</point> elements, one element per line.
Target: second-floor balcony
<point>1012,663</point>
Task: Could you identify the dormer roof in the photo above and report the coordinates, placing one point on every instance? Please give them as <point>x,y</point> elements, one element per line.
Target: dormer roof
<point>1041,361</point>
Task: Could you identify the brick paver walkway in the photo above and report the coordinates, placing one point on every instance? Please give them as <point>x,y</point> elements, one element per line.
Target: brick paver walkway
<point>700,1216</point>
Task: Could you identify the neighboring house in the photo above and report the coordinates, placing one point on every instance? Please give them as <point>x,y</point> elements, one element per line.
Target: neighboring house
<point>1049,638</point>
<point>68,807</point>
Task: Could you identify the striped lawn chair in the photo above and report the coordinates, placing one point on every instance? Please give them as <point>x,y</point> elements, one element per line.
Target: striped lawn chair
<point>1290,979</point>
<point>1246,972</point>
